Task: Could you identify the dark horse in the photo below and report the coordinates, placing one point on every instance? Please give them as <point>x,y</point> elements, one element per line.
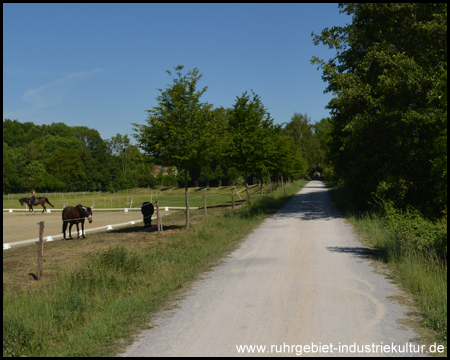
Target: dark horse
<point>75,215</point>
<point>37,201</point>
<point>147,210</point>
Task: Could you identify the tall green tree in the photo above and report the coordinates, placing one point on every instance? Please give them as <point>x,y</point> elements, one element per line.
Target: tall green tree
<point>41,142</point>
<point>300,128</point>
<point>387,79</point>
<point>322,131</point>
<point>289,161</point>
<point>180,130</point>
<point>119,146</point>
<point>14,164</point>
<point>249,128</point>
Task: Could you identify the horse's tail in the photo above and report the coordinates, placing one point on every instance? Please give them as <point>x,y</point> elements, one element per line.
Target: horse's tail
<point>48,202</point>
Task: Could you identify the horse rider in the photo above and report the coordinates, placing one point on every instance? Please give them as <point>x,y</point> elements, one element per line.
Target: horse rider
<point>32,197</point>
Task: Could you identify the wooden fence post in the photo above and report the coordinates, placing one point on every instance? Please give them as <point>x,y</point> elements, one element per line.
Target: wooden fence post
<point>40,249</point>
<point>157,217</point>
<point>204,204</point>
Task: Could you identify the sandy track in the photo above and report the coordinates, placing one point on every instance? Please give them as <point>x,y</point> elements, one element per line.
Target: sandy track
<point>298,279</point>
<point>19,226</point>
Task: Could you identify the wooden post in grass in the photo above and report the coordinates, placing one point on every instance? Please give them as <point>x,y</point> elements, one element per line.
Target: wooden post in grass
<point>161,225</point>
<point>232,199</point>
<point>157,218</point>
<point>204,204</point>
<point>40,249</point>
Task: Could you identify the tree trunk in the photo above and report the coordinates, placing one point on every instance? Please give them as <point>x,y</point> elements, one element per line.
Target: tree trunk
<point>186,196</point>
<point>246,185</point>
<point>261,184</point>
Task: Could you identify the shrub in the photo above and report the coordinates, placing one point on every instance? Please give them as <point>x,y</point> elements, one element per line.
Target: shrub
<point>413,231</point>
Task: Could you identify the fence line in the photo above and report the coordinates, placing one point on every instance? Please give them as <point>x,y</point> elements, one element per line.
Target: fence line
<point>125,209</point>
<point>28,266</point>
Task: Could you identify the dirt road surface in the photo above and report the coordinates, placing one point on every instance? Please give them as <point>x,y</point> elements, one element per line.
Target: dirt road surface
<point>299,279</point>
<point>19,226</point>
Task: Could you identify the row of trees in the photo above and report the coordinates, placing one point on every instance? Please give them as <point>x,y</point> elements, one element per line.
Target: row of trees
<point>388,130</point>
<point>183,132</point>
<point>192,139</point>
<point>58,157</point>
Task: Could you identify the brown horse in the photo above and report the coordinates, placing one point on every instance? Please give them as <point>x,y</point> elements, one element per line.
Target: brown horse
<point>37,201</point>
<point>75,215</point>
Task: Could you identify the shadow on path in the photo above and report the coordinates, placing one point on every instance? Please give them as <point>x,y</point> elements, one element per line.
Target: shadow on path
<point>356,251</point>
<point>312,203</point>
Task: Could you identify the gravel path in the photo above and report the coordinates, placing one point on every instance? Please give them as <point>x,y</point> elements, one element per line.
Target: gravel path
<point>299,279</point>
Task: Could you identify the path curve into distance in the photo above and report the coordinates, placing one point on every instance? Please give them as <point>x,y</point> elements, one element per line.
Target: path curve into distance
<point>301,278</point>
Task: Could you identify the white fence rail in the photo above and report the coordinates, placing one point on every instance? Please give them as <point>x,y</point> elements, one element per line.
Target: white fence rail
<point>110,209</point>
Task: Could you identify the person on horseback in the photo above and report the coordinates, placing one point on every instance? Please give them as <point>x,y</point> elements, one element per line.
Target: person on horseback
<point>33,197</point>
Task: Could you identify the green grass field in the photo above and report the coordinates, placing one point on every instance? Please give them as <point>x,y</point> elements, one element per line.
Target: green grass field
<point>135,197</point>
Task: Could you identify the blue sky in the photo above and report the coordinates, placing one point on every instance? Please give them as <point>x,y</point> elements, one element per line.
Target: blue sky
<point>99,65</point>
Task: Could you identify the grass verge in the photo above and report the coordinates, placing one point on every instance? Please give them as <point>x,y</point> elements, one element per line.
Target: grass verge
<point>419,271</point>
<point>94,301</point>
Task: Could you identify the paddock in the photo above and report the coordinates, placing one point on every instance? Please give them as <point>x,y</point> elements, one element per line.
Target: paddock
<point>19,226</point>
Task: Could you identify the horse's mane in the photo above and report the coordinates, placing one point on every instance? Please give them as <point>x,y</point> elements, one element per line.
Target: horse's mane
<point>82,210</point>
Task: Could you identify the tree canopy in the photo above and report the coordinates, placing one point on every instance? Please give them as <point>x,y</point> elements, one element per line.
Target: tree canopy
<point>181,130</point>
<point>59,157</point>
<point>389,118</point>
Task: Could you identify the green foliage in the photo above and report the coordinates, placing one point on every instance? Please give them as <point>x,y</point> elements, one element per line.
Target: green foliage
<point>122,181</point>
<point>388,114</point>
<point>258,146</point>
<point>59,157</point>
<point>249,126</point>
<point>288,160</point>
<point>119,146</point>
<point>218,173</point>
<point>300,128</point>
<point>14,163</point>
<point>37,175</point>
<point>412,231</point>
<point>207,174</point>
<point>180,177</point>
<point>235,176</point>
<point>180,127</point>
<point>182,131</point>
